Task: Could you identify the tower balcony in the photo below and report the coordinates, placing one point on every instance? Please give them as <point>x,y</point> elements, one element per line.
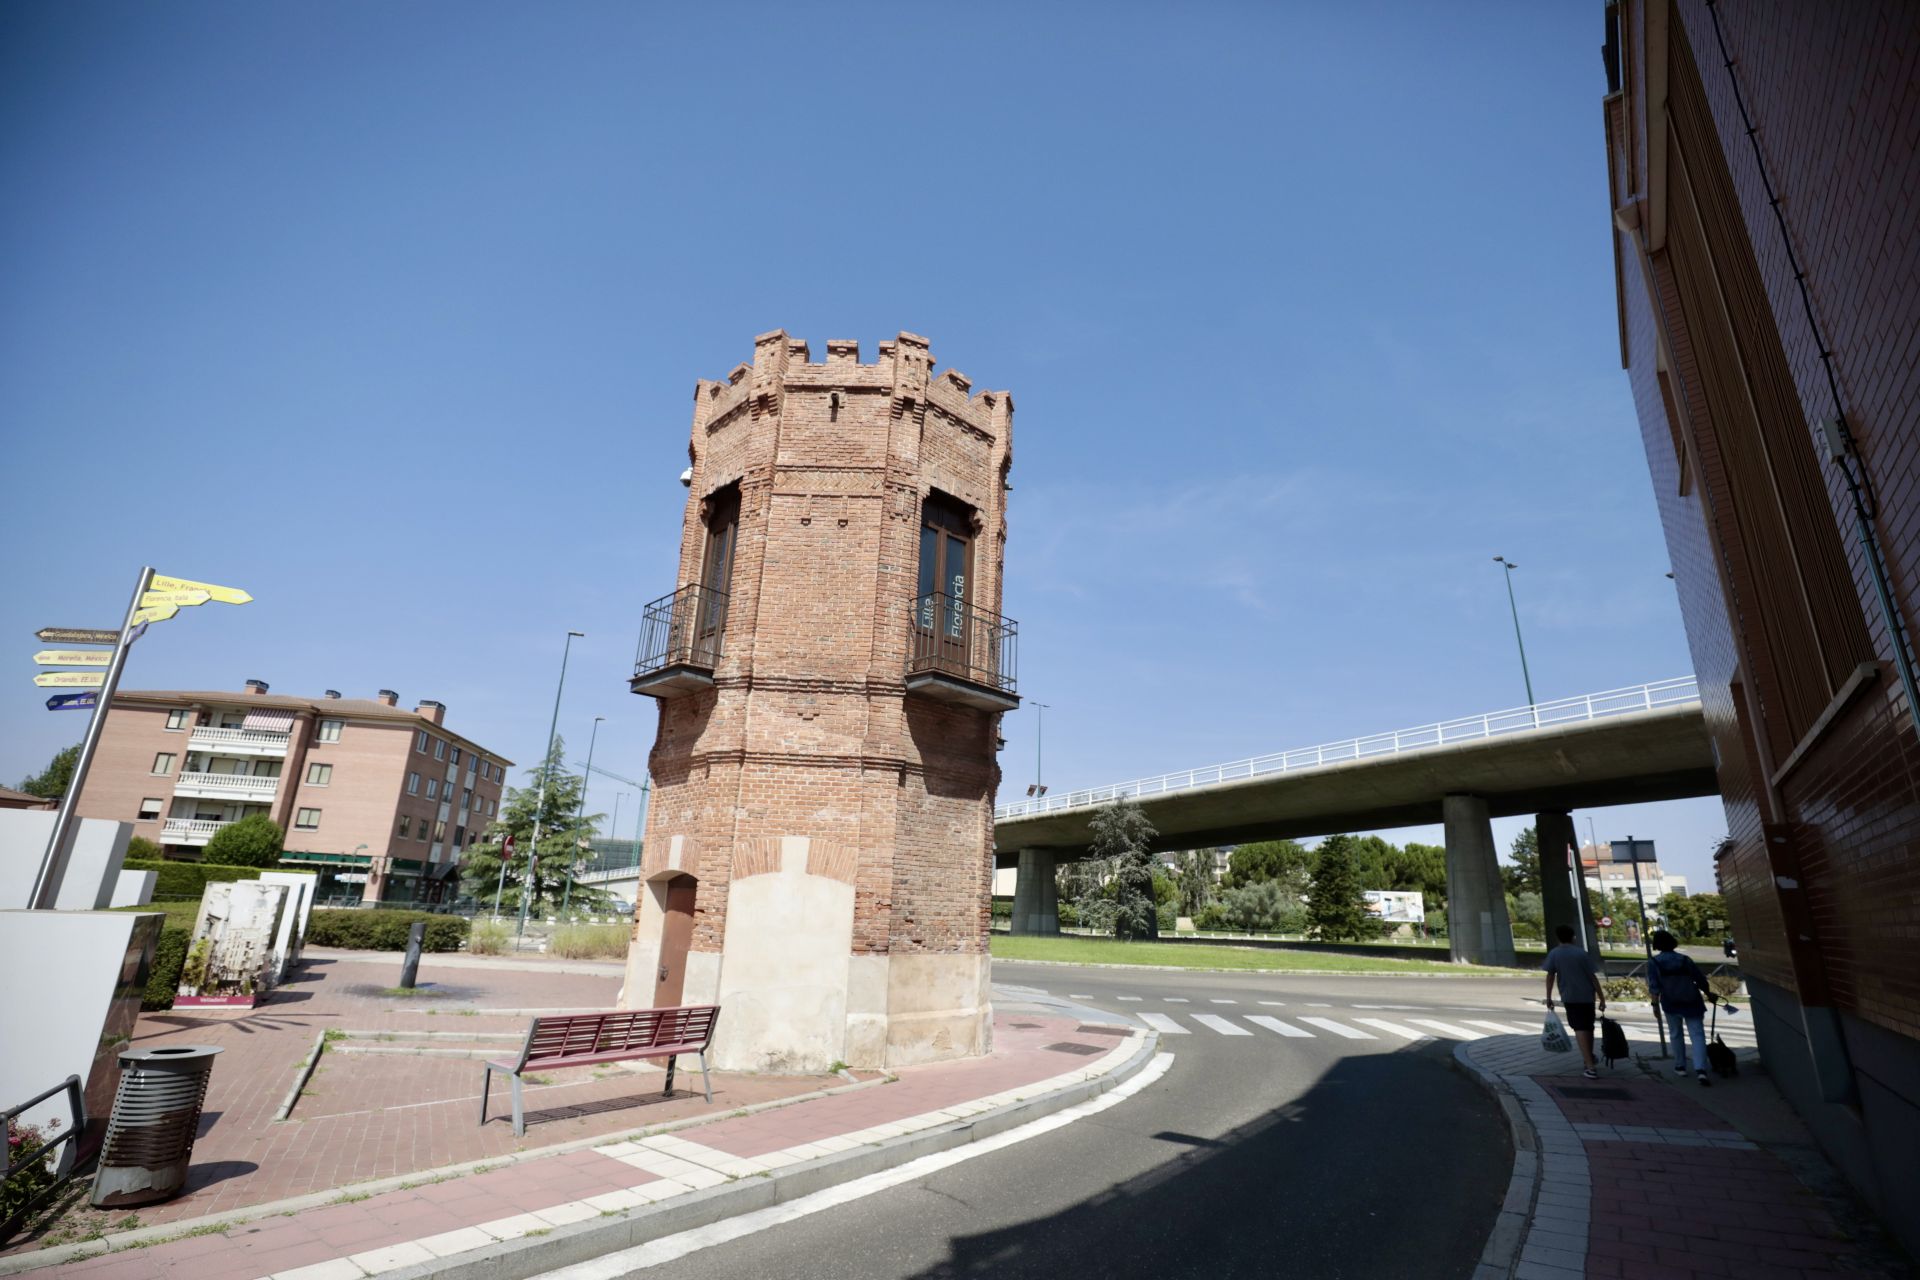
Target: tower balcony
<point>682,636</point>
<point>959,652</point>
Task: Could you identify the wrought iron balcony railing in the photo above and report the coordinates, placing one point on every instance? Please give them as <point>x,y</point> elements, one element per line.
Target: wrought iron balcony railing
<point>963,653</point>
<point>682,635</point>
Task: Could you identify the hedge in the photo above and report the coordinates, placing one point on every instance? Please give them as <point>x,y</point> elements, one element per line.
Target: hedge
<point>163,979</point>
<point>377,929</point>
<point>188,879</point>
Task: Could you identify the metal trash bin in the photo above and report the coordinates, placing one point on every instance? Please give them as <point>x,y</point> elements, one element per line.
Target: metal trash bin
<point>156,1116</point>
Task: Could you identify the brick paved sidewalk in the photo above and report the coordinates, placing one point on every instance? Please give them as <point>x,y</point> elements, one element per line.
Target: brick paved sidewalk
<point>1633,1176</point>
<point>351,1237</point>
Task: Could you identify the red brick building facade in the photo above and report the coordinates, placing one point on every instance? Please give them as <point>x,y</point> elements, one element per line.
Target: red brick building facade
<point>831,671</point>
<point>1780,431</point>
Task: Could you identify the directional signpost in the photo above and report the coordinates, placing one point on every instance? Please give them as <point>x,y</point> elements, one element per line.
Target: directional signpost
<point>155,599</point>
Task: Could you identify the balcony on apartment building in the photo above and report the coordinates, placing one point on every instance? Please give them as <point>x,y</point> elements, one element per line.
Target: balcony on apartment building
<point>226,786</point>
<point>189,830</point>
<point>959,652</point>
<point>240,742</point>
<point>681,639</point>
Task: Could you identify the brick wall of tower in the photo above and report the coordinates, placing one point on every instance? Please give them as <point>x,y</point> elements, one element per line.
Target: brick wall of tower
<point>808,729</point>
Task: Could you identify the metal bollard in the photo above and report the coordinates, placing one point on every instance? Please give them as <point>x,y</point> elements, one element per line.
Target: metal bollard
<point>410,967</point>
<point>156,1116</point>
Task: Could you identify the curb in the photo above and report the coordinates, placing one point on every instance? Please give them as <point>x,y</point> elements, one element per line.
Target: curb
<point>1502,1251</point>
<point>563,1246</point>
<point>1465,971</point>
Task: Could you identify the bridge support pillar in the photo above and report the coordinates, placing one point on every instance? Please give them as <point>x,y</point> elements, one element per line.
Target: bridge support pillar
<point>1036,899</point>
<point>1563,890</point>
<point>1477,922</point>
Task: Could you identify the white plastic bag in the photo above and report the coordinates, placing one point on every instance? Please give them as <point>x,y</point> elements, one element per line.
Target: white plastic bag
<point>1553,1035</point>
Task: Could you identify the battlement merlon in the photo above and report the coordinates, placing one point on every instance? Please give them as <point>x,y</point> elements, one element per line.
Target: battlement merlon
<point>903,368</point>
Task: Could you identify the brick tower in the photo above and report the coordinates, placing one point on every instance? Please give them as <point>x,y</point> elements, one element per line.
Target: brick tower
<point>831,671</point>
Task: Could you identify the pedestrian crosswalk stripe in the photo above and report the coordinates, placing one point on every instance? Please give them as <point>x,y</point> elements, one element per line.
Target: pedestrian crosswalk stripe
<point>1396,1028</point>
<point>1162,1023</point>
<point>1447,1028</point>
<point>1222,1025</point>
<point>1411,1008</point>
<point>1501,1028</point>
<point>1276,1026</point>
<point>1340,1028</point>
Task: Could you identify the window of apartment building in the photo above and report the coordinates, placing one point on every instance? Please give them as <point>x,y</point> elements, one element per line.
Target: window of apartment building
<point>319,775</point>
<point>466,798</point>
<point>307,819</point>
<point>163,762</point>
<point>405,830</point>
<point>176,720</point>
<point>439,749</point>
<point>329,731</point>
<point>459,836</point>
<point>423,831</point>
<point>439,831</point>
<point>473,763</point>
<point>433,788</point>
<point>232,720</point>
<point>150,809</point>
<point>493,807</point>
<point>456,758</point>
<point>413,784</point>
<point>420,741</point>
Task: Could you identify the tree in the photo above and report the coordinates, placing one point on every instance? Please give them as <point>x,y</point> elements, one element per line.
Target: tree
<point>1373,862</point>
<point>1193,875</point>
<point>1422,868</point>
<point>1689,916</point>
<point>1523,876</point>
<point>254,841</point>
<point>1121,832</point>
<point>1286,861</point>
<point>51,782</point>
<point>561,840</point>
<point>141,849</point>
<point>1263,908</point>
<point>1336,905</point>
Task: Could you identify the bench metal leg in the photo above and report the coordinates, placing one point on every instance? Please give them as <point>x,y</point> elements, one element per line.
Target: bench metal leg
<point>519,1115</point>
<point>706,1079</point>
<point>486,1079</point>
<point>670,1061</point>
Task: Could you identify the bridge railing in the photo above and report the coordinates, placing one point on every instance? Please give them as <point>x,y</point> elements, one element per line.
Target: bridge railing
<point>1492,724</point>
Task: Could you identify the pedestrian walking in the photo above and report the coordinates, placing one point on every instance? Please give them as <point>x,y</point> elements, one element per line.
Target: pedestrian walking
<point>1578,974</point>
<point>1683,993</point>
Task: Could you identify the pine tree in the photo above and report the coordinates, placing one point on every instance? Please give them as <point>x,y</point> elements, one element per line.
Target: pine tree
<point>1122,833</point>
<point>1336,905</point>
<point>561,841</point>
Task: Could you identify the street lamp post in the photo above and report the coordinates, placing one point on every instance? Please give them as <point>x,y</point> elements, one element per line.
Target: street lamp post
<point>1515,608</point>
<point>1039,788</point>
<point>540,801</point>
<point>579,816</point>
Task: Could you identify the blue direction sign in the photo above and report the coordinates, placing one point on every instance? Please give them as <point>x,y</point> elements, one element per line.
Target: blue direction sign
<point>74,701</point>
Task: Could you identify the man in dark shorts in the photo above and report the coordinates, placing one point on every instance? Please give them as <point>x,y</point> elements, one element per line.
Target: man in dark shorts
<point>1578,974</point>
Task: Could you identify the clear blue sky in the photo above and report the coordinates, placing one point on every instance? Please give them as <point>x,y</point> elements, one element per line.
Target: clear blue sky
<point>391,315</point>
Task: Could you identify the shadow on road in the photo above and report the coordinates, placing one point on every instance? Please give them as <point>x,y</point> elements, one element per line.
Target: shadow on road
<point>1366,1175</point>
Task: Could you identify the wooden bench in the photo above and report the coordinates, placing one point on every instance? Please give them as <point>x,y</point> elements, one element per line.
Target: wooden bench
<point>583,1039</point>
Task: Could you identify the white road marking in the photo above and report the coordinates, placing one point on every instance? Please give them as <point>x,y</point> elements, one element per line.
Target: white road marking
<point>1222,1025</point>
<point>1079,995</point>
<point>1276,1026</point>
<point>670,1248</point>
<point>1503,1028</point>
<point>1275,1004</point>
<point>1410,1008</point>
<point>1163,1024</point>
<point>1448,1029</point>
<point>1312,1005</point>
<point>1135,999</point>
<point>1398,1030</point>
<point>1217,1000</point>
<point>1340,1028</point>
<point>1178,1000</point>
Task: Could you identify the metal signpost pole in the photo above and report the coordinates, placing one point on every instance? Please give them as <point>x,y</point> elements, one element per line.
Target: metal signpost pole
<point>1653,991</point>
<point>540,801</point>
<point>506,856</point>
<point>46,884</point>
<point>1573,886</point>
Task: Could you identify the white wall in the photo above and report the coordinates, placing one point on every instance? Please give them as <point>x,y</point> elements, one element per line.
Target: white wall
<point>96,850</point>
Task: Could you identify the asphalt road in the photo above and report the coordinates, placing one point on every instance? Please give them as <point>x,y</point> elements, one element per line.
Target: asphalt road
<point>1312,1152</point>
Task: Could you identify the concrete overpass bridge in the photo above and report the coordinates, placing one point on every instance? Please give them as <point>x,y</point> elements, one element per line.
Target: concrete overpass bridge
<point>1623,746</point>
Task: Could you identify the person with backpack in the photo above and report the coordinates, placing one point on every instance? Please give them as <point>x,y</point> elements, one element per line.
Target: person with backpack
<point>1578,974</point>
<point>1683,993</point>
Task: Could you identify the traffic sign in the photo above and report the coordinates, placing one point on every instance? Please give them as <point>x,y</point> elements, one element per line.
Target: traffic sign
<point>1606,922</point>
<point>196,596</point>
<point>72,658</point>
<point>73,701</point>
<point>70,679</point>
<point>154,613</point>
<point>225,595</point>
<point>75,635</point>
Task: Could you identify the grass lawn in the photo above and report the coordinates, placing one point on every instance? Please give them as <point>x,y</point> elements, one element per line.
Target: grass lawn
<point>1183,955</point>
<point>180,915</point>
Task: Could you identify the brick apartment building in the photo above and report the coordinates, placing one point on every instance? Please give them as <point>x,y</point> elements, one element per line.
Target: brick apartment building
<point>1774,359</point>
<point>831,669</point>
<point>381,801</point>
<point>1605,876</point>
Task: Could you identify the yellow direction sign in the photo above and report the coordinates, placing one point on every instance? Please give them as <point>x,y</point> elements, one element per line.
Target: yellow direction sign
<point>196,596</point>
<point>225,595</point>
<point>154,613</point>
<point>73,657</point>
<point>70,679</point>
